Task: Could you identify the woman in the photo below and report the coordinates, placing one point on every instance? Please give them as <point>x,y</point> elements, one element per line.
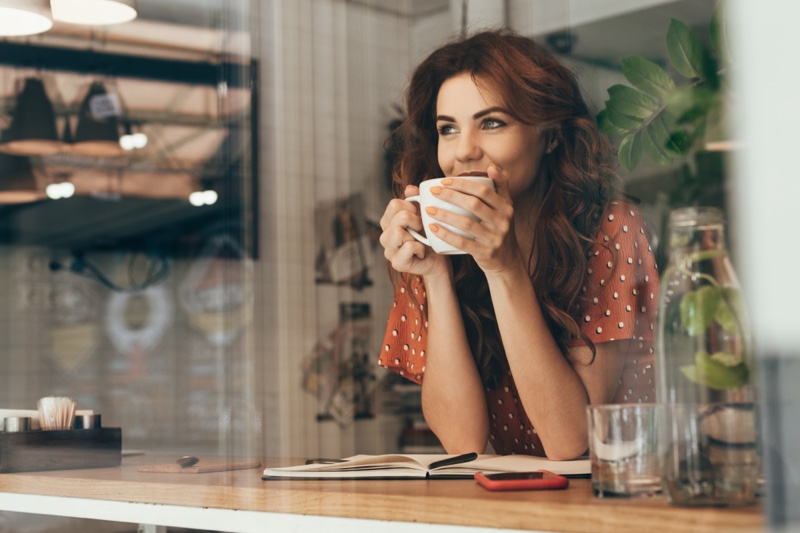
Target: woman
<point>552,307</point>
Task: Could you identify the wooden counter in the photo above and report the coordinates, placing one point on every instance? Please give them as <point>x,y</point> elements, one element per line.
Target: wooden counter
<point>453,502</point>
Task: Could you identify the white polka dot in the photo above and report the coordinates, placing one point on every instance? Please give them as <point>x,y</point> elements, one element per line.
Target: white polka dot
<point>403,318</point>
<point>609,264</point>
<point>622,277</point>
<point>587,318</point>
<point>594,301</point>
<point>386,347</point>
<point>616,295</point>
<point>625,229</point>
<point>599,330</point>
<point>405,347</point>
<point>628,308</point>
<point>620,325</point>
<point>630,260</point>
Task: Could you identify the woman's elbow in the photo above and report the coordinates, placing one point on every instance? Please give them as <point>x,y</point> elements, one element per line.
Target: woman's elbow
<point>566,452</point>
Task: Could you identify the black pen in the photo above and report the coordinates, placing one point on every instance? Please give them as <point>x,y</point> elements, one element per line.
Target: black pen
<point>323,461</point>
<point>457,460</point>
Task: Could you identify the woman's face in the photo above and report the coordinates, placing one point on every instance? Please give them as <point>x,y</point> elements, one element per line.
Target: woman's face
<point>475,130</point>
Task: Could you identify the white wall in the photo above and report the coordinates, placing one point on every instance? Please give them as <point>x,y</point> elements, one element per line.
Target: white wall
<point>337,69</point>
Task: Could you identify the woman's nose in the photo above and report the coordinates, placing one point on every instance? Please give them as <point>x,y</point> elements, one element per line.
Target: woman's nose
<point>469,147</point>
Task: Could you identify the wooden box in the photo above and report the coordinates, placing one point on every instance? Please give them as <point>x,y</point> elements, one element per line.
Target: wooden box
<point>29,451</point>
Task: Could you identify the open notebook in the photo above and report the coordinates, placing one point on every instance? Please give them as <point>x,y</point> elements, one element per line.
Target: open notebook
<point>400,466</point>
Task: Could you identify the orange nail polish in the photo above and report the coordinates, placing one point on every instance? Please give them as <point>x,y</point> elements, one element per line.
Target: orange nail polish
<point>431,210</point>
<point>434,228</point>
<point>436,190</point>
<point>447,181</point>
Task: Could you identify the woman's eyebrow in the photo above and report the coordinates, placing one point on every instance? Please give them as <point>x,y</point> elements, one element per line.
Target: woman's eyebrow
<point>476,116</point>
<point>489,111</point>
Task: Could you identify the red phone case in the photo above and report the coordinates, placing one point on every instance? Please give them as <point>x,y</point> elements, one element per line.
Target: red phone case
<point>548,481</point>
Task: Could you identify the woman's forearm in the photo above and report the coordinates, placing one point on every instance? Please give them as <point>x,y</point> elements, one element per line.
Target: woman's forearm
<point>453,399</point>
<point>551,392</point>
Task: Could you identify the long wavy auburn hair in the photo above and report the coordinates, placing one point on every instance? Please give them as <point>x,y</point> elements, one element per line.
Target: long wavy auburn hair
<point>578,178</point>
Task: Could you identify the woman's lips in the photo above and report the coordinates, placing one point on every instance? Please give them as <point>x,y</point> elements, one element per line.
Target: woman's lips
<point>474,173</point>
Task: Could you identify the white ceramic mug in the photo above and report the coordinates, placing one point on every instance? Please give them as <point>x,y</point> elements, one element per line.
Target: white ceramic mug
<point>427,199</point>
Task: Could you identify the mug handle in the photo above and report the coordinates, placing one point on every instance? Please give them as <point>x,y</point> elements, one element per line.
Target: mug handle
<point>420,238</point>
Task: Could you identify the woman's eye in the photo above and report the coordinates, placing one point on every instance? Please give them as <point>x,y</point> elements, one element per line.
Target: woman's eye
<point>446,129</point>
<point>493,124</point>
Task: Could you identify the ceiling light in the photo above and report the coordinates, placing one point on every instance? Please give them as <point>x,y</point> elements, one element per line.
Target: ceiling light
<point>131,140</point>
<point>97,133</point>
<point>94,12</point>
<point>33,130</point>
<point>24,17</point>
<point>201,198</point>
<point>57,191</point>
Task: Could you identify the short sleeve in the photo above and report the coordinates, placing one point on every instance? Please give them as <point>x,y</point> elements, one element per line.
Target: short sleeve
<point>405,339</point>
<point>621,291</point>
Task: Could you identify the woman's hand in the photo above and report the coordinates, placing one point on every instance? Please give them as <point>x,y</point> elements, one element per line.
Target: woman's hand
<point>400,248</point>
<point>495,246</point>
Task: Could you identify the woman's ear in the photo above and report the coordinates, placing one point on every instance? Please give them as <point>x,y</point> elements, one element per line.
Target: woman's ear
<point>552,141</point>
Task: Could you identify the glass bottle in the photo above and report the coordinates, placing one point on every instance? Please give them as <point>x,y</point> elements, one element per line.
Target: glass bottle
<point>705,369</point>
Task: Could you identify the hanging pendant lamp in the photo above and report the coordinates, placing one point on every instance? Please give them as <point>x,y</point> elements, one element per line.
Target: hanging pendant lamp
<point>33,130</point>
<point>94,12</point>
<point>17,182</point>
<point>24,17</point>
<point>97,133</point>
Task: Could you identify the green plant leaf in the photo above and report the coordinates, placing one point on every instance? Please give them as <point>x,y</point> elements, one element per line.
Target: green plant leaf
<point>730,310</point>
<point>690,103</point>
<point>709,371</point>
<point>698,308</point>
<point>619,119</point>
<point>630,151</point>
<point>685,51</point>
<point>647,76</point>
<point>655,142</point>
<point>681,141</point>
<point>631,102</point>
<point>667,125</point>
<point>704,255</point>
<point>606,126</point>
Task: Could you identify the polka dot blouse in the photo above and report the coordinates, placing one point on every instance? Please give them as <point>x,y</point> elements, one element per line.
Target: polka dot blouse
<point>620,298</point>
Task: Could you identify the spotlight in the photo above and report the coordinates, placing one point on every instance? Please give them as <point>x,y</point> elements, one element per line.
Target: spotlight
<point>201,198</point>
<point>57,191</point>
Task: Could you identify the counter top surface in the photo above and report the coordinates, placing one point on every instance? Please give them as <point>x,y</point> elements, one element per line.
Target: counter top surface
<point>454,502</point>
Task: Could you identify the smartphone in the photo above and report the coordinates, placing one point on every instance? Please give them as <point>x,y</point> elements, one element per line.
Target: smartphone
<point>539,480</point>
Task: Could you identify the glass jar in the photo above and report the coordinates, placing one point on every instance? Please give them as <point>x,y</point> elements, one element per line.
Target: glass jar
<point>705,369</point>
